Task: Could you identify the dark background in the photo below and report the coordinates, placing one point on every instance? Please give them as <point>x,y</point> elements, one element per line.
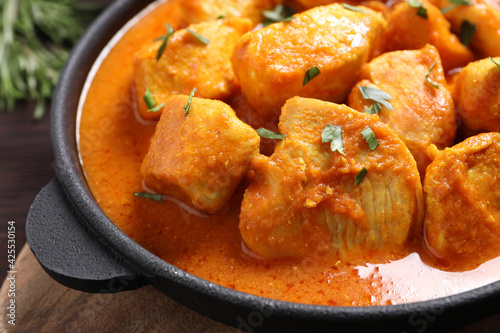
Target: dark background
<point>26,160</point>
<point>25,167</point>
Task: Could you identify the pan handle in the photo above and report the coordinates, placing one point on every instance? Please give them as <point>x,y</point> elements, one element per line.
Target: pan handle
<point>68,252</point>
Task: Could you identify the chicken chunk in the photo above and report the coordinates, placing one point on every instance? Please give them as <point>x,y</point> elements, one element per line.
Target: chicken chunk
<point>484,16</point>
<point>462,189</point>
<point>199,157</point>
<point>304,199</point>
<point>422,114</point>
<point>196,11</point>
<point>187,62</point>
<point>477,96</point>
<point>316,54</point>
<point>435,29</point>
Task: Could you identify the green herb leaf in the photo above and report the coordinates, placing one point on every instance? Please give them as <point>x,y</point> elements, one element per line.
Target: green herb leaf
<point>353,8</point>
<point>180,90</point>
<point>370,138</point>
<point>188,105</point>
<point>156,108</point>
<point>152,196</point>
<point>493,61</point>
<point>333,134</point>
<point>280,13</point>
<point>148,99</point>
<point>456,3</point>
<point>265,133</point>
<point>467,32</point>
<point>376,95</point>
<point>170,32</point>
<point>329,133</point>
<point>310,74</point>
<point>202,39</point>
<point>427,76</point>
<point>421,10</point>
<point>221,17</point>
<point>373,109</point>
<point>274,15</point>
<point>360,176</point>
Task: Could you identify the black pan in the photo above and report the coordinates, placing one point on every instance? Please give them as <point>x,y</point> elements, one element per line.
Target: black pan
<point>78,246</point>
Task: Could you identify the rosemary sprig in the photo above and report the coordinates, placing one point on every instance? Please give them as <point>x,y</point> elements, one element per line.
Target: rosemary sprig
<point>35,39</point>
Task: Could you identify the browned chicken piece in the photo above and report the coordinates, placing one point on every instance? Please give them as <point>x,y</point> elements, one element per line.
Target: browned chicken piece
<point>462,189</point>
<point>477,96</point>
<point>484,18</point>
<point>199,157</point>
<point>196,11</point>
<point>187,63</point>
<point>304,199</point>
<point>422,114</point>
<point>316,54</point>
<point>402,34</point>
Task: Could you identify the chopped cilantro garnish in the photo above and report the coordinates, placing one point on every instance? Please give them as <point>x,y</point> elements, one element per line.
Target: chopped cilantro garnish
<point>202,39</point>
<point>360,176</point>
<point>455,4</point>
<point>170,32</point>
<point>376,95</point>
<point>280,13</point>
<point>152,196</point>
<point>427,76</point>
<point>157,108</point>
<point>310,74</point>
<point>265,133</point>
<point>493,61</point>
<point>188,105</point>
<point>467,32</point>
<point>333,134</point>
<point>370,138</point>
<point>422,12</point>
<point>373,109</point>
<point>150,102</point>
<point>148,99</point>
<point>353,8</point>
<point>180,90</point>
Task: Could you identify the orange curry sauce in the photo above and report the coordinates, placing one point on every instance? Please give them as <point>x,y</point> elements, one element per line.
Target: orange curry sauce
<point>113,140</point>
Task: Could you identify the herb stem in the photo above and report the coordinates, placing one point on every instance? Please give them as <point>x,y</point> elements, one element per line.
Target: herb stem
<point>435,86</point>
<point>188,105</point>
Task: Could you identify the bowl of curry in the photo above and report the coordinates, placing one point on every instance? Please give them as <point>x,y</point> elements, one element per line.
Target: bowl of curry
<point>282,165</point>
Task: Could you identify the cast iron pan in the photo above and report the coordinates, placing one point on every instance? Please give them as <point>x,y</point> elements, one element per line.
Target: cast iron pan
<point>81,248</point>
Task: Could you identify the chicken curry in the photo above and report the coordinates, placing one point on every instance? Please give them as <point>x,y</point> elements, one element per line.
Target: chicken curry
<point>312,151</point>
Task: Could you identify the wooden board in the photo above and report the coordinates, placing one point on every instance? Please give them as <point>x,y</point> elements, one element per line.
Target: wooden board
<point>43,305</point>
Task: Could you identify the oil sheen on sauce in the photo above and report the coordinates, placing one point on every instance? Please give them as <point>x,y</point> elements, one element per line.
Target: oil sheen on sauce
<point>113,141</point>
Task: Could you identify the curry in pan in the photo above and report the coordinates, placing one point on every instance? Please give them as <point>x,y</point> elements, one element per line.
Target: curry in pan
<point>307,151</point>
